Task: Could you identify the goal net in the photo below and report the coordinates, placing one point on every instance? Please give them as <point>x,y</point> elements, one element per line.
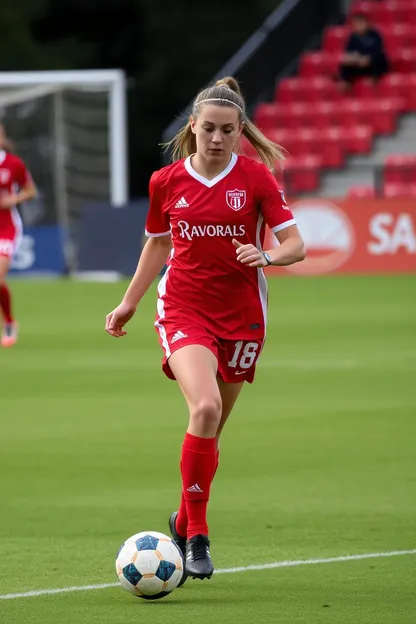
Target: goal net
<point>70,129</point>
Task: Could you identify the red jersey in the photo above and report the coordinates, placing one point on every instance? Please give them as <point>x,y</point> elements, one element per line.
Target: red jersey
<point>13,174</point>
<point>204,281</point>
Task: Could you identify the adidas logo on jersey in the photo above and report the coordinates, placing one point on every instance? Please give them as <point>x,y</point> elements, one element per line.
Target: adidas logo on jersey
<point>182,203</point>
<point>195,489</point>
<point>178,336</point>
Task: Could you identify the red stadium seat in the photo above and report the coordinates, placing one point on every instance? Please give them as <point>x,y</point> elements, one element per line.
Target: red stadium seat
<point>319,64</point>
<point>383,13</point>
<point>310,89</point>
<point>399,85</point>
<point>404,60</point>
<point>399,191</point>
<point>359,139</point>
<point>313,141</point>
<point>364,88</point>
<point>365,7</point>
<point>399,169</point>
<point>291,90</point>
<point>361,192</point>
<point>405,33</point>
<point>301,174</point>
<point>381,114</point>
<point>327,114</point>
<point>299,114</point>
<point>267,116</point>
<point>335,38</point>
<point>322,88</point>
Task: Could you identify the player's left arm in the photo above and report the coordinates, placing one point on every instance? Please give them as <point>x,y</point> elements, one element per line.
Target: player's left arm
<point>291,249</point>
<point>27,189</point>
<point>280,220</point>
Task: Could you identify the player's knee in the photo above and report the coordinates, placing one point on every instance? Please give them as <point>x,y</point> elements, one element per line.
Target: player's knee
<point>206,415</point>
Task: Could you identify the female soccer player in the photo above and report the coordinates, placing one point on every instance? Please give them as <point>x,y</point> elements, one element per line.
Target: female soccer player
<point>16,186</point>
<point>208,209</point>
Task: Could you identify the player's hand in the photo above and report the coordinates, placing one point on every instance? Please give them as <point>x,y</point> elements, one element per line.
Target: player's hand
<point>8,201</point>
<point>249,254</point>
<point>115,321</point>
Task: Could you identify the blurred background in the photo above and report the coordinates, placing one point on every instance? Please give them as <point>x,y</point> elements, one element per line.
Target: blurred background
<point>88,91</point>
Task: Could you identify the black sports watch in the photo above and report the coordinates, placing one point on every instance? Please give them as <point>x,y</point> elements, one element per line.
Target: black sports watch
<point>267,256</point>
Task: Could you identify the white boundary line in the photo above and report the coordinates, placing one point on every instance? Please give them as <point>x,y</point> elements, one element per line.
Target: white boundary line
<point>265,566</point>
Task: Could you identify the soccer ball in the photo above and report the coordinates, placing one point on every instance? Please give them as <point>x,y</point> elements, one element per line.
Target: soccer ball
<point>149,565</point>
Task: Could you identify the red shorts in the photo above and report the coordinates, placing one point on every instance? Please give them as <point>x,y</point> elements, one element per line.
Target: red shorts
<point>236,358</point>
<point>10,236</point>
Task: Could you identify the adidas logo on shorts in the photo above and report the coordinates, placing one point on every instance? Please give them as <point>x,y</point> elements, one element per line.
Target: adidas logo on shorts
<point>178,336</point>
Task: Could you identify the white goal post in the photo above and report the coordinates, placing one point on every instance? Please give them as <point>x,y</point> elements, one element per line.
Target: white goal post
<point>70,128</point>
<point>14,87</point>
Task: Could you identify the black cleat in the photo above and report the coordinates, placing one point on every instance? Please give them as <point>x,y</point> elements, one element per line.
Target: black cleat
<point>198,558</point>
<point>180,542</point>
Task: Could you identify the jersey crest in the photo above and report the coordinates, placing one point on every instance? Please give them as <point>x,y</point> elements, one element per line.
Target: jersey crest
<point>4,176</point>
<point>236,199</point>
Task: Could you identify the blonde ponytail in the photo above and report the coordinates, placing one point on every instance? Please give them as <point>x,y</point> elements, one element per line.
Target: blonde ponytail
<point>225,92</point>
<point>270,153</point>
<point>183,143</point>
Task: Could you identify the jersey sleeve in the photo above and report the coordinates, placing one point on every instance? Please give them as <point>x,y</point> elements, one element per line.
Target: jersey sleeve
<point>276,213</point>
<point>21,173</point>
<point>157,221</point>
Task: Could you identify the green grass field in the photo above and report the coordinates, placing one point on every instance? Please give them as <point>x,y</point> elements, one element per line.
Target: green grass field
<point>318,460</point>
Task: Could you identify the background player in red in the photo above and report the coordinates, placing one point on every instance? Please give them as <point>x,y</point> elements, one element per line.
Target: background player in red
<point>16,186</point>
<point>208,210</point>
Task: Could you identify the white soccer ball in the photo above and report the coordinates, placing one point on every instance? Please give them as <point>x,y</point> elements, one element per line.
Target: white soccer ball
<point>149,565</point>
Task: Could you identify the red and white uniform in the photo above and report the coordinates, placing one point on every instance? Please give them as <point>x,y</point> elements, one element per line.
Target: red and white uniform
<point>13,174</point>
<point>206,296</point>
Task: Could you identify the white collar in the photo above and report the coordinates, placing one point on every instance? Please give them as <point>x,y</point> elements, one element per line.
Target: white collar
<point>217,178</point>
<point>3,155</point>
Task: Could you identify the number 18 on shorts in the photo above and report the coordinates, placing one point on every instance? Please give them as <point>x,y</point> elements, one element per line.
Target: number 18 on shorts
<point>236,358</point>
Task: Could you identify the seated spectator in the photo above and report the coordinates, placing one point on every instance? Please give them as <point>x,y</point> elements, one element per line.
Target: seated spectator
<point>364,54</point>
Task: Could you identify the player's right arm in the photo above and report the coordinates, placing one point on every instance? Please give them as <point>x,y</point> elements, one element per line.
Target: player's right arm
<point>151,262</point>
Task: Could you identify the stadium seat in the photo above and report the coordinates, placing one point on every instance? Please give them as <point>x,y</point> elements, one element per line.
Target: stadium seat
<point>322,88</point>
<point>321,143</point>
<point>402,85</point>
<point>358,139</point>
<point>361,192</point>
<point>405,33</point>
<point>404,60</point>
<point>399,169</point>
<point>319,64</point>
<point>301,174</point>
<point>381,114</point>
<point>298,114</point>
<point>268,116</point>
<point>335,38</point>
<point>327,114</point>
<point>383,13</point>
<point>306,89</point>
<point>290,90</point>
<point>399,191</point>
<point>319,126</point>
<point>364,88</point>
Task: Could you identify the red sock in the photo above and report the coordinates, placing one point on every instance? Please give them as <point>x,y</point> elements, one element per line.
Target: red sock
<point>6,303</point>
<point>199,456</point>
<point>182,517</point>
